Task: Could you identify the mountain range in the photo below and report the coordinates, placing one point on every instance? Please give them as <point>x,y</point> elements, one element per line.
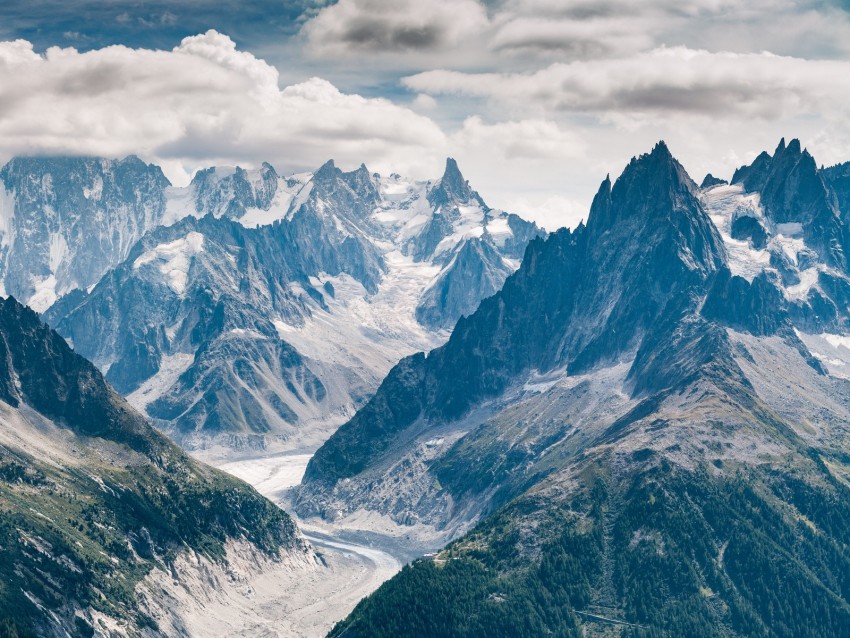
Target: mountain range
<point>643,433</point>
<point>247,308</point>
<point>636,427</point>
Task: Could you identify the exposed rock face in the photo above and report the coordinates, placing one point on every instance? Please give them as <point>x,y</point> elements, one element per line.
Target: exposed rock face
<point>749,228</point>
<point>793,191</point>
<point>231,193</point>
<point>65,221</point>
<point>710,180</point>
<point>197,300</point>
<point>786,215</point>
<point>838,178</point>
<point>649,246</point>
<point>474,271</point>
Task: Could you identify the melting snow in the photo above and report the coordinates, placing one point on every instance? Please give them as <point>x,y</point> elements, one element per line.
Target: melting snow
<point>170,369</point>
<point>280,206</point>
<point>174,259</point>
<point>44,295</point>
<point>808,278</point>
<point>499,230</point>
<point>724,203</point>
<point>299,199</point>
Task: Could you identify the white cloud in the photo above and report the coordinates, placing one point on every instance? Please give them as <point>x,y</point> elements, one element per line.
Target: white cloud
<point>549,211</point>
<point>206,102</point>
<point>530,139</point>
<point>537,142</point>
<point>662,81</point>
<point>17,52</point>
<point>424,101</point>
<point>201,103</point>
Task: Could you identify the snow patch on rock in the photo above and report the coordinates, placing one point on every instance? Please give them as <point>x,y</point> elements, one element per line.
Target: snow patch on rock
<point>174,259</point>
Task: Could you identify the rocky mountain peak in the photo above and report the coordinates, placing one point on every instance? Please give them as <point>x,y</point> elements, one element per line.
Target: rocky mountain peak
<point>452,177</point>
<point>600,207</point>
<point>710,180</point>
<point>838,178</point>
<point>652,186</point>
<point>361,182</point>
<point>453,189</point>
<point>326,171</point>
<point>580,300</point>
<point>793,191</point>
<point>136,496</point>
<point>69,219</point>
<point>231,191</point>
<point>40,369</point>
<point>794,147</point>
<point>329,178</point>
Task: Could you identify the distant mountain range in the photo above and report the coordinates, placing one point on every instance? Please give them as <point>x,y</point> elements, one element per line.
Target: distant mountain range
<point>248,308</point>
<point>645,431</point>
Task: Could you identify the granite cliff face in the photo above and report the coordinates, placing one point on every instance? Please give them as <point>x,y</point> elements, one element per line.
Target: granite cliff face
<point>65,221</point>
<point>581,299</point>
<point>793,193</point>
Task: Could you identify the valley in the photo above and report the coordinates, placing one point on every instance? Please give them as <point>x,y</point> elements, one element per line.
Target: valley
<point>355,561</point>
<point>424,319</point>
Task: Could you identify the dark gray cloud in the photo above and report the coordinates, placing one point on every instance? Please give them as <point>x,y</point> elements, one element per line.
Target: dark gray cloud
<point>379,34</point>
<point>379,27</point>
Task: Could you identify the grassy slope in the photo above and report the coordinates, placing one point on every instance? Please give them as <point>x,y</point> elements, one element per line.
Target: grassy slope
<point>67,537</point>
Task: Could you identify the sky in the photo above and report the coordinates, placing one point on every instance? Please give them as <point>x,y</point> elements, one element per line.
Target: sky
<point>537,99</point>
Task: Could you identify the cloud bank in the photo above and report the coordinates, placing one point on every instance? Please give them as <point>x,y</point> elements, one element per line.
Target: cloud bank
<point>663,81</point>
<point>204,101</point>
